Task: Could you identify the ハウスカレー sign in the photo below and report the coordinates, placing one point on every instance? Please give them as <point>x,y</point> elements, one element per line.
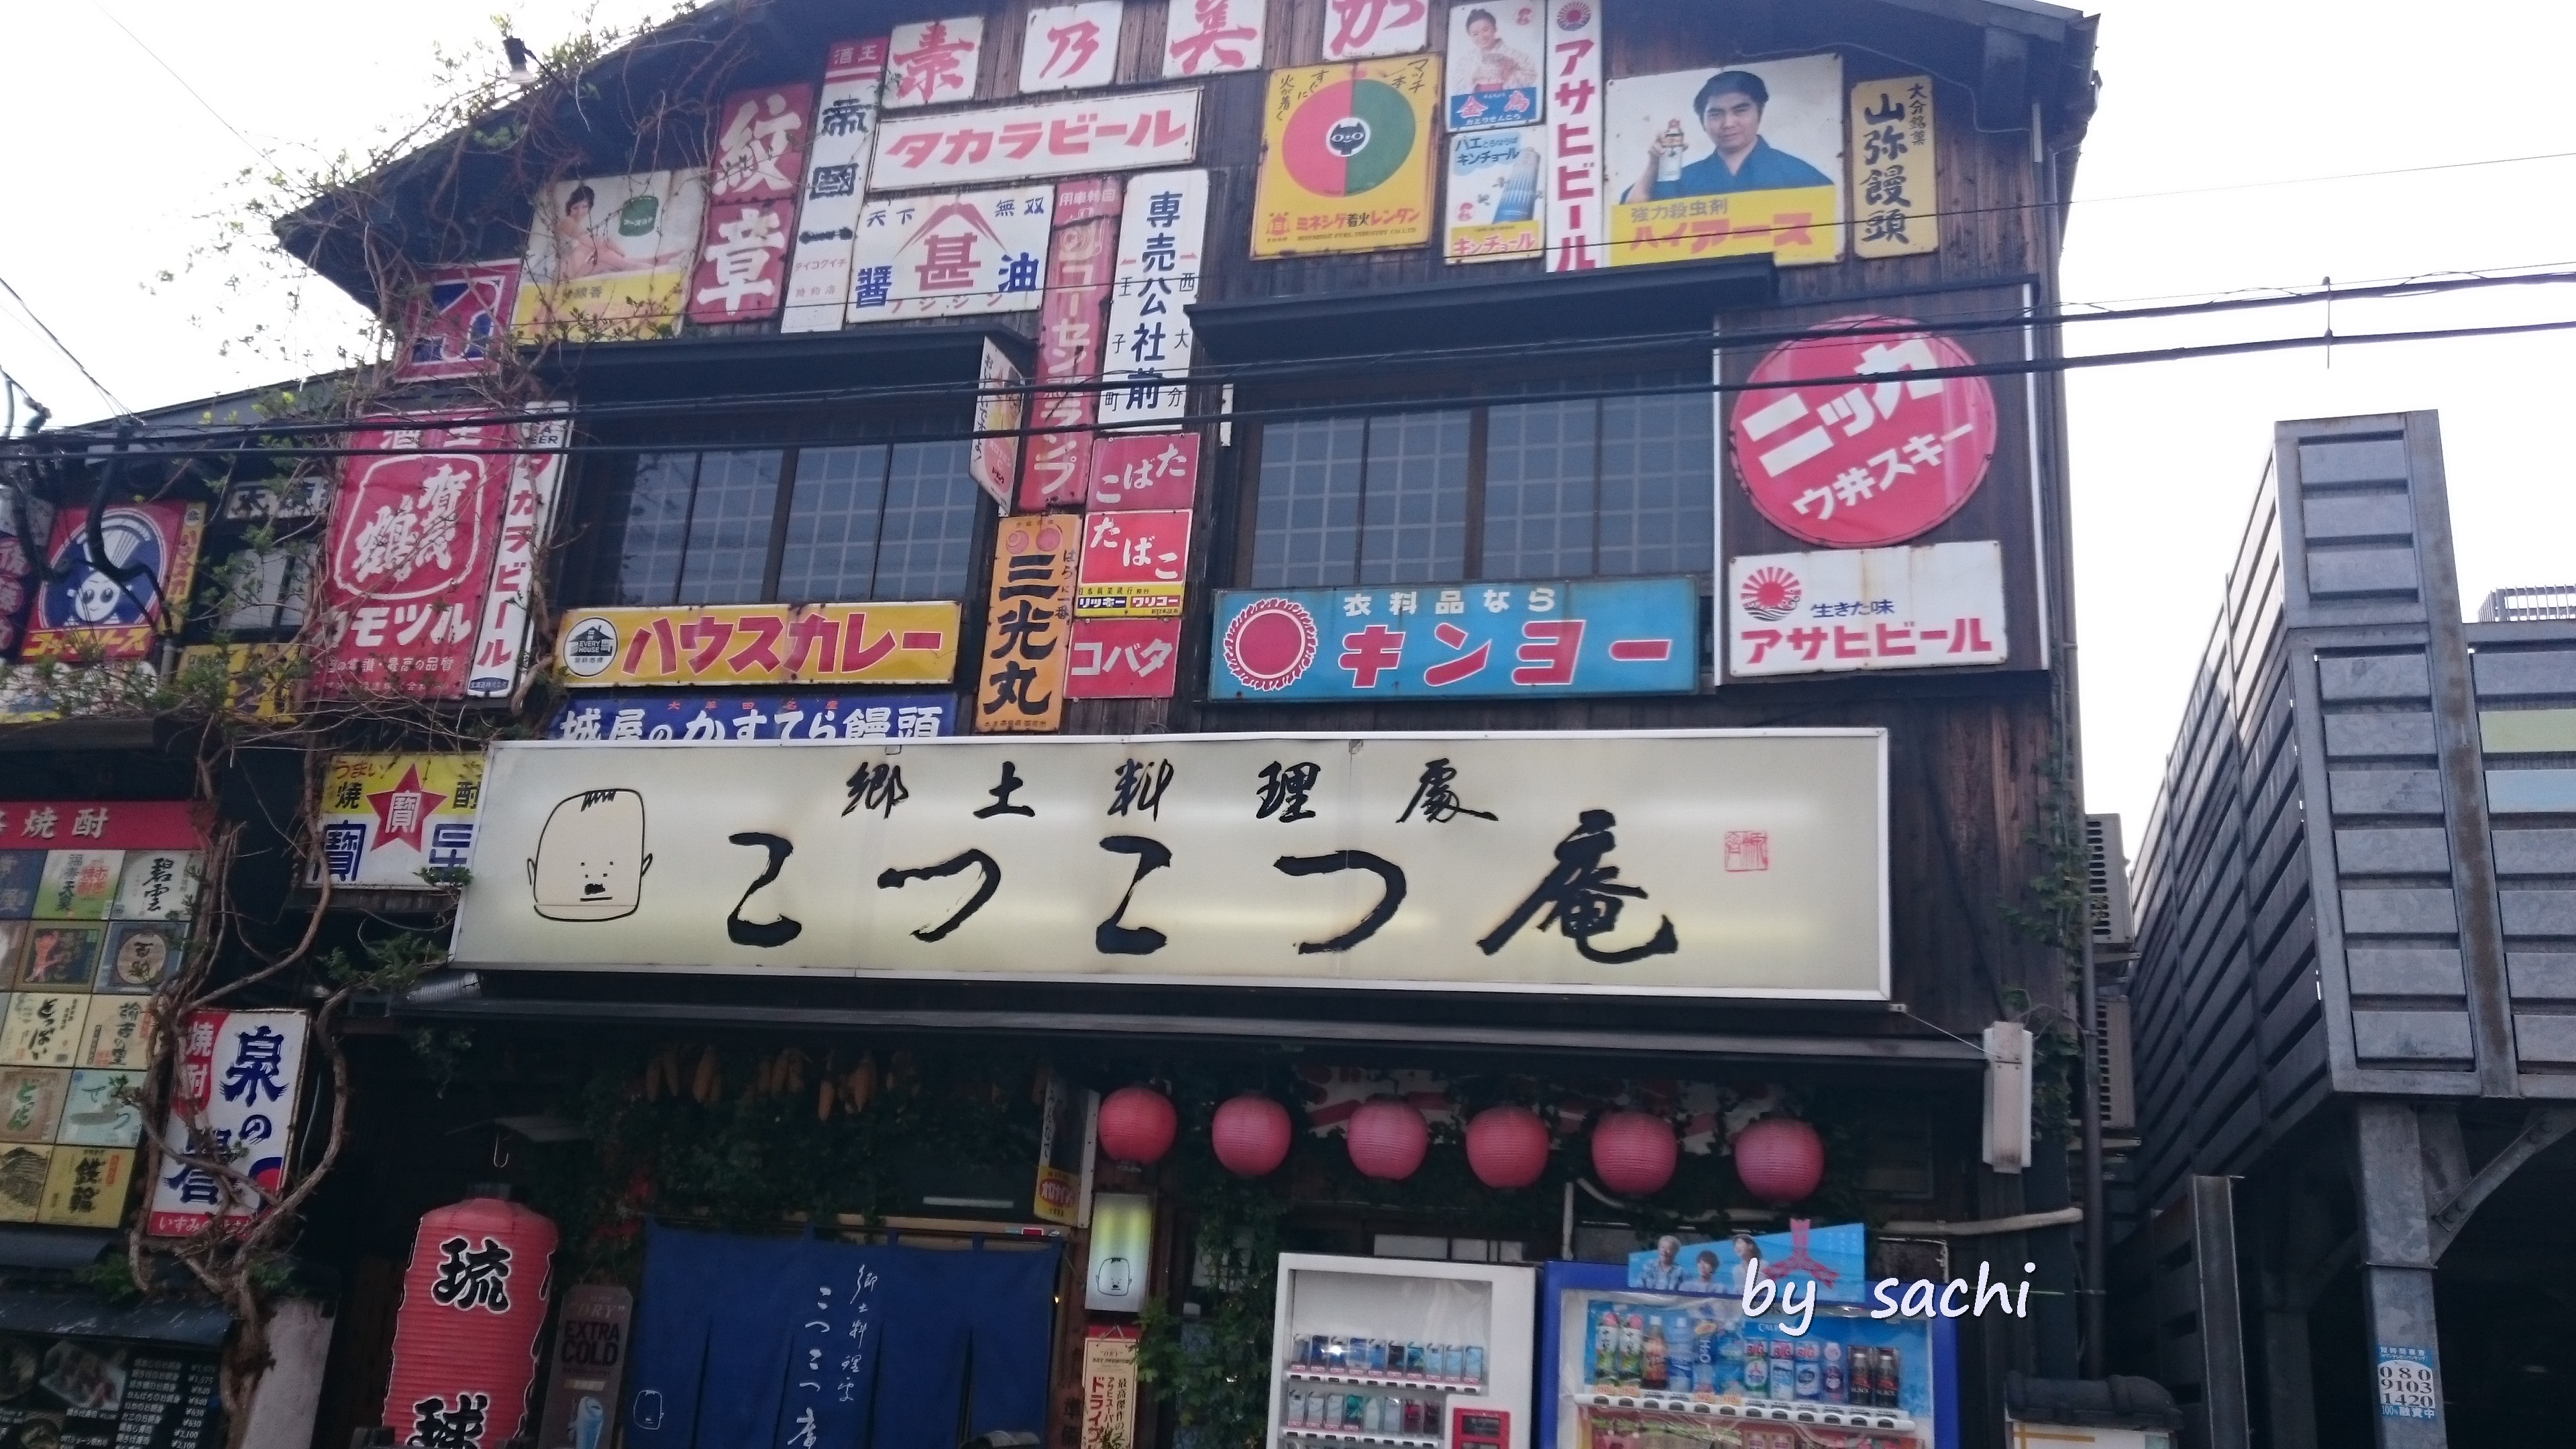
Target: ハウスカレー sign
<point>1747,863</point>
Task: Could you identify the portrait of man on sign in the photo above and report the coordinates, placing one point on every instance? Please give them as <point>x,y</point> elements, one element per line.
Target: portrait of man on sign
<point>1729,109</point>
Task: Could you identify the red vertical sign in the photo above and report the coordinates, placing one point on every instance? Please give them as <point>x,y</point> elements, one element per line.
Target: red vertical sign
<point>413,535</point>
<point>761,137</point>
<point>1079,268</point>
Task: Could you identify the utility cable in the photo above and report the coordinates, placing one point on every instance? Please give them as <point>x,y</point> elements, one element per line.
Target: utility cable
<point>113,400</point>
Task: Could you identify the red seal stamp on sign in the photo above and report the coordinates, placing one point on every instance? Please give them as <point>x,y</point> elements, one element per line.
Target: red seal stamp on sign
<point>1842,444</point>
<point>1270,644</point>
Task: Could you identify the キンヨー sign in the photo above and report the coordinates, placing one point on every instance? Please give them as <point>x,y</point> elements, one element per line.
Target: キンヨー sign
<point>1514,640</point>
<point>1745,863</point>
<point>1866,608</point>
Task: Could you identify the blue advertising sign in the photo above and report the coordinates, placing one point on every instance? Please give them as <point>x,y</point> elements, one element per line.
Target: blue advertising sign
<point>1833,1258</point>
<point>704,715</point>
<point>1467,641</point>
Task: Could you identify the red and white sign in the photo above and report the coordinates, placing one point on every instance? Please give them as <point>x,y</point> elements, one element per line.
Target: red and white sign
<point>1357,28</point>
<point>1161,236</point>
<point>1124,659</point>
<point>1133,564</point>
<point>527,516</point>
<point>1213,37</point>
<point>413,536</point>
<point>818,277</point>
<point>1933,607</point>
<point>455,326</point>
<point>1578,217</point>
<point>934,61</point>
<point>1126,132</point>
<point>1071,47</point>
<point>1270,645</point>
<point>240,1074</point>
<point>1841,445</point>
<point>98,825</point>
<point>751,204</point>
<point>1070,337</point>
<point>951,253</point>
<point>1151,470</point>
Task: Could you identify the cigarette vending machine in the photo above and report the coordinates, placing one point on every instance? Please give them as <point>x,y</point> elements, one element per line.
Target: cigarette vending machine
<point>1401,1354</point>
<point>1630,1368</point>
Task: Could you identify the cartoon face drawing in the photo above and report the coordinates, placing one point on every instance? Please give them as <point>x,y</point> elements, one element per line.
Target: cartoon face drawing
<point>590,860</point>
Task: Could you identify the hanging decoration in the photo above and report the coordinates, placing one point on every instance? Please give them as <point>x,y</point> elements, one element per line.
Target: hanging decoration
<point>1507,1146</point>
<point>465,1338</point>
<point>1780,1159</point>
<point>1388,1139</point>
<point>1634,1153</point>
<point>1251,1135</point>
<point>1137,1125</point>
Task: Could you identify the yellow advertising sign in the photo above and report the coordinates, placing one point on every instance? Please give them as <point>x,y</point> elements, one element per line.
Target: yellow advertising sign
<point>1896,190</point>
<point>386,818</point>
<point>1021,689</point>
<point>737,644</point>
<point>1803,224</point>
<point>1346,158</point>
<point>260,680</point>
<point>1744,161</point>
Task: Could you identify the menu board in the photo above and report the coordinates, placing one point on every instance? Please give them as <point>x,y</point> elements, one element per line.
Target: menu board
<point>81,1393</point>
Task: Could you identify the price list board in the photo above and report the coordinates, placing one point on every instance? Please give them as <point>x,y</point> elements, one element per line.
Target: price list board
<point>76,1393</point>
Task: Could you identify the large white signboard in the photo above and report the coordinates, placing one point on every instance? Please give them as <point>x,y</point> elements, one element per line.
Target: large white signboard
<point>1077,137</point>
<point>1740,863</point>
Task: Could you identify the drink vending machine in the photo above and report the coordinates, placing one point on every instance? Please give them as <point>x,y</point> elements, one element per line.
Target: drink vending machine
<point>1630,1368</point>
<point>1402,1354</point>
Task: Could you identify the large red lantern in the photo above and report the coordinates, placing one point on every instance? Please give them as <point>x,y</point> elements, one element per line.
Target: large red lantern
<point>1507,1146</point>
<point>465,1339</point>
<point>1137,1124</point>
<point>1780,1159</point>
<point>1388,1139</point>
<point>1634,1153</point>
<point>1250,1135</point>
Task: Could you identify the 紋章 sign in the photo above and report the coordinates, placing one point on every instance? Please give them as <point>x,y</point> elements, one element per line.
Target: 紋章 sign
<point>1626,636</point>
<point>1746,863</point>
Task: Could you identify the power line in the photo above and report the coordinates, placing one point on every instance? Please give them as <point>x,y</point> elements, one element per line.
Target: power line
<point>209,107</point>
<point>112,399</point>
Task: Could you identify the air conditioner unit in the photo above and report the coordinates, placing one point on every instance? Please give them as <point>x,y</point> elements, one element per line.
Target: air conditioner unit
<point>2106,884</point>
<point>2115,1082</point>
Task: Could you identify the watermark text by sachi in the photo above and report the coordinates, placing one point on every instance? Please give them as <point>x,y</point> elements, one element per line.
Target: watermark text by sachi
<point>1896,1298</point>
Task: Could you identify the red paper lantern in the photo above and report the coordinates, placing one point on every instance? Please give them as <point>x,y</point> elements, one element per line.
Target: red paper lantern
<point>1250,1135</point>
<point>1780,1159</point>
<point>1634,1153</point>
<point>1388,1138</point>
<point>465,1338</point>
<point>1507,1146</point>
<point>1137,1124</point>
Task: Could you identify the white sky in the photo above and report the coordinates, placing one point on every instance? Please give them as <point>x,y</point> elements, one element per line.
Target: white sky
<point>117,166</point>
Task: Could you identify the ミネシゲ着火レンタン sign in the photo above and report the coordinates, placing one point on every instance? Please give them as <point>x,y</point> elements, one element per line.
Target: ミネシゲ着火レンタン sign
<point>1745,863</point>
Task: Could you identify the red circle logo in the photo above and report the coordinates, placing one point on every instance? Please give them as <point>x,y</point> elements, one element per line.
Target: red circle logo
<point>1840,443</point>
<point>1770,593</point>
<point>1270,644</point>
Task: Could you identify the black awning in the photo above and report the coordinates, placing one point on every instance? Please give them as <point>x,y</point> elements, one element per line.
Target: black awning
<point>86,1315</point>
<point>53,1247</point>
<point>763,364</point>
<point>1606,304</point>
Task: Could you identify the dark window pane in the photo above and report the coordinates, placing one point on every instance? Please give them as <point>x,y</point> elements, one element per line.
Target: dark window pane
<point>1538,490</point>
<point>1658,485</point>
<point>1416,517</point>
<point>640,559</point>
<point>729,529</point>
<point>929,531</point>
<point>1306,528</point>
<point>831,552</point>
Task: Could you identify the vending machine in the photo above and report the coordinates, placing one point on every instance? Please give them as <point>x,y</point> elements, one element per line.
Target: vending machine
<point>1630,1368</point>
<point>1392,1352</point>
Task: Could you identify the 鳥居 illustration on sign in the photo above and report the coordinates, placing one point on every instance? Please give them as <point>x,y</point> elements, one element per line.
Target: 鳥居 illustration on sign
<point>1494,49</point>
<point>1149,344</point>
<point>609,257</point>
<point>111,578</point>
<point>1896,185</point>
<point>1354,29</point>
<point>1860,465</point>
<point>1213,37</point>
<point>1929,607</point>
<point>818,272</point>
<point>1628,636</point>
<point>1494,181</point>
<point>454,325</point>
<point>949,254</point>
<point>1744,160</point>
<point>1071,47</point>
<point>1346,158</point>
<point>935,60</point>
<point>1662,863</point>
